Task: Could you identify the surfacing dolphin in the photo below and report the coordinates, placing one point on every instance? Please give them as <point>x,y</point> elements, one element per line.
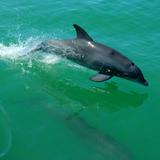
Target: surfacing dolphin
<point>86,52</point>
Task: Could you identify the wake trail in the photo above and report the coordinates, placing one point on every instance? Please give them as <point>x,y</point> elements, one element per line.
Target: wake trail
<point>15,51</point>
<point>23,51</point>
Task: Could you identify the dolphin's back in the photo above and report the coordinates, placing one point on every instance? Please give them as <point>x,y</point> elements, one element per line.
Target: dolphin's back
<point>95,55</point>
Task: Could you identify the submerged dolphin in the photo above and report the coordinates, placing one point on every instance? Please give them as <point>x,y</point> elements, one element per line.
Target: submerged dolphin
<point>86,52</point>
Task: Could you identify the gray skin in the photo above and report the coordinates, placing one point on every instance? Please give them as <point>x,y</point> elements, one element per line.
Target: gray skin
<point>96,56</point>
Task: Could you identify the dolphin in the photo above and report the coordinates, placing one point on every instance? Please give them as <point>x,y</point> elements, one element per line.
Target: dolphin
<point>96,56</point>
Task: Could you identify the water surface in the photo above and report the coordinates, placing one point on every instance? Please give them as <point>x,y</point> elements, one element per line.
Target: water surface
<point>48,107</point>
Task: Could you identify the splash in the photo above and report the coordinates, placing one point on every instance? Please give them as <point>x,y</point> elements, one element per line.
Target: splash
<point>50,59</point>
<point>22,55</point>
<point>22,51</point>
<point>15,51</point>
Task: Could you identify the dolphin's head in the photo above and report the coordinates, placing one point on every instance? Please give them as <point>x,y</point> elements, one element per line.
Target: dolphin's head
<point>135,74</point>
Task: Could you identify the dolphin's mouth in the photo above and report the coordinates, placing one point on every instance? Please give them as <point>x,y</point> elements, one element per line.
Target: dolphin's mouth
<point>142,82</point>
<point>146,83</point>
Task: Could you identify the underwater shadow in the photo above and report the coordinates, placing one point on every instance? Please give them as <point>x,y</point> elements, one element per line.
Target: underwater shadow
<point>65,92</point>
<point>109,97</point>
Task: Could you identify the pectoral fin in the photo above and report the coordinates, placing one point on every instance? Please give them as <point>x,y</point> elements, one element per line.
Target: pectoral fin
<point>100,77</point>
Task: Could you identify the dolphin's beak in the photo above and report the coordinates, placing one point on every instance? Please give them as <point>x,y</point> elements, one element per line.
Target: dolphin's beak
<point>146,83</point>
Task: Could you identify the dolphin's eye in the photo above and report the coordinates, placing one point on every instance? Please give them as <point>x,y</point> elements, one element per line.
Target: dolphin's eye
<point>132,64</point>
<point>112,52</point>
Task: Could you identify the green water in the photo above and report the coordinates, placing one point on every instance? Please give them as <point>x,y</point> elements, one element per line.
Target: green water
<point>48,107</point>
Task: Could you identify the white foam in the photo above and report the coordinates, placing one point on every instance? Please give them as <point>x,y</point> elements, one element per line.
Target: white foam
<point>15,51</point>
<point>12,52</point>
<point>22,50</point>
<point>50,59</point>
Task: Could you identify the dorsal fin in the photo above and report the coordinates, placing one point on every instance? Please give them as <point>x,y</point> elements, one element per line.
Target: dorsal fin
<point>81,33</point>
